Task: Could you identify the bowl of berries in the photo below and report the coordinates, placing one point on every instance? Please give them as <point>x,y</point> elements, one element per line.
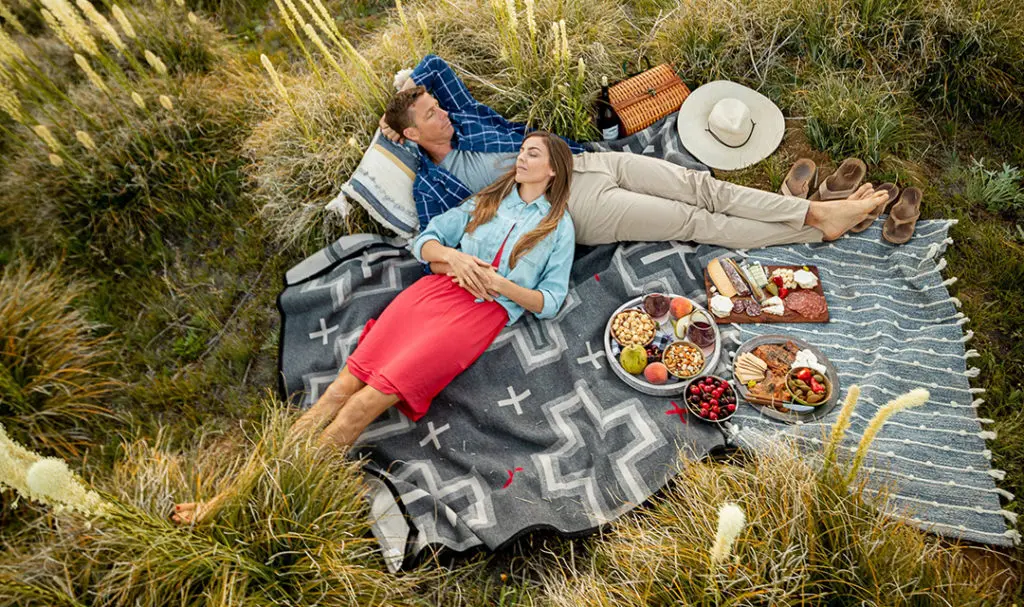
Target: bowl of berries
<point>711,398</point>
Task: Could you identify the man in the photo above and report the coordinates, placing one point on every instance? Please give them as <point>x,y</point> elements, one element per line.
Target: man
<point>465,145</point>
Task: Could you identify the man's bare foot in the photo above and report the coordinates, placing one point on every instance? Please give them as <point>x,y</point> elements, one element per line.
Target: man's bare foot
<point>190,513</point>
<point>835,217</point>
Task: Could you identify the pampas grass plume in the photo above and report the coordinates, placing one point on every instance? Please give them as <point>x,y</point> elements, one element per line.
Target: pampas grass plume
<point>730,523</point>
<point>166,102</point>
<point>10,104</point>
<point>531,19</point>
<point>274,77</point>
<point>122,20</point>
<point>192,18</point>
<point>56,160</point>
<point>9,17</point>
<point>564,38</point>
<point>53,483</point>
<point>86,140</point>
<point>914,398</point>
<point>9,49</point>
<point>101,23</point>
<point>155,62</point>
<point>73,25</point>
<point>513,17</point>
<point>43,132</point>
<point>138,100</point>
<point>842,422</point>
<point>94,78</point>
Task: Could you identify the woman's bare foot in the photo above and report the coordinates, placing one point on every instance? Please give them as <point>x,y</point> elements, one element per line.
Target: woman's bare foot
<point>835,217</point>
<point>190,513</point>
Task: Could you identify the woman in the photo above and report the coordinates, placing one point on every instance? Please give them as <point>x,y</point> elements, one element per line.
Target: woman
<point>443,322</point>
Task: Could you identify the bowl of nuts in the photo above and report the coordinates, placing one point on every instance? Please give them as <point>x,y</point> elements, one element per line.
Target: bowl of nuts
<point>683,359</point>
<point>633,328</point>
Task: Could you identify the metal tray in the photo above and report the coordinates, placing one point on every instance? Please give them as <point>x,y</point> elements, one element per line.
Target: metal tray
<point>792,416</point>
<point>711,353</point>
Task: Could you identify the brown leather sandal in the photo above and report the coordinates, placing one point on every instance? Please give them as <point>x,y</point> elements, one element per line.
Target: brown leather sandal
<point>843,182</point>
<point>798,181</point>
<point>899,227</point>
<point>873,215</point>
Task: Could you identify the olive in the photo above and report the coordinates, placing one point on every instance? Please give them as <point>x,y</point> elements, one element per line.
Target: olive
<point>813,398</point>
<point>801,383</point>
<point>819,377</point>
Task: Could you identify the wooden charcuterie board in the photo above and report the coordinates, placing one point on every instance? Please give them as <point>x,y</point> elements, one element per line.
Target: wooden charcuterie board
<point>788,317</point>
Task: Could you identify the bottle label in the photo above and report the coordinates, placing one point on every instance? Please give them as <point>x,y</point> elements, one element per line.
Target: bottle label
<point>610,133</point>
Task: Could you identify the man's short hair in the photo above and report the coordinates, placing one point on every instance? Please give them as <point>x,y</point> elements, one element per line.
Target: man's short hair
<point>397,114</point>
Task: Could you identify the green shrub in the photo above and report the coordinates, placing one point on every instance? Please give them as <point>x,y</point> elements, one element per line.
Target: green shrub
<point>999,191</point>
<point>53,380</point>
<point>855,115</point>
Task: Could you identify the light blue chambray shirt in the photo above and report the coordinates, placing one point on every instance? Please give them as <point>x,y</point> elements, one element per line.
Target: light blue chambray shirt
<point>545,267</point>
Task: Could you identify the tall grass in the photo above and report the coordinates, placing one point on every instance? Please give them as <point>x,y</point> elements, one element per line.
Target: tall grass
<point>53,371</point>
<point>121,149</point>
<point>296,534</point>
<point>857,115</point>
<point>808,540</point>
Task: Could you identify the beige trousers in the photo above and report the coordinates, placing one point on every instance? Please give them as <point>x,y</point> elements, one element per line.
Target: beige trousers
<point>617,196</point>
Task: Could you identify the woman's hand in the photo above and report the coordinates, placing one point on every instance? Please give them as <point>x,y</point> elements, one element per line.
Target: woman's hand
<point>470,273</point>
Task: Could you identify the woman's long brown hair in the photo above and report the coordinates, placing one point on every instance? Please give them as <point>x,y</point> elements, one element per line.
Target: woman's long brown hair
<point>557,193</point>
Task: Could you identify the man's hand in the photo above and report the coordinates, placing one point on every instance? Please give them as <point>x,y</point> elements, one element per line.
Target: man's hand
<point>389,132</point>
<point>471,273</point>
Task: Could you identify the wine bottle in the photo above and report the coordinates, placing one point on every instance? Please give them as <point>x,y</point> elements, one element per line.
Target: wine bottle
<point>607,121</point>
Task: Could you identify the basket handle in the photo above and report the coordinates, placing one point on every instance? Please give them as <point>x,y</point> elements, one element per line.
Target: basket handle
<point>625,67</point>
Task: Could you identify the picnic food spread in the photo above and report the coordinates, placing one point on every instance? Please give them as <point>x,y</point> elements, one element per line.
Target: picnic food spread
<point>657,342</point>
<point>750,292</point>
<point>784,375</point>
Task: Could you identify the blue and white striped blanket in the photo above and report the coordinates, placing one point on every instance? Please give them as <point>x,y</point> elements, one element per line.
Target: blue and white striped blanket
<point>894,327</point>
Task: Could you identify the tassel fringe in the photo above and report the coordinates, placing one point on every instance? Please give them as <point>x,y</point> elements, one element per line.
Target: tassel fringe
<point>997,474</point>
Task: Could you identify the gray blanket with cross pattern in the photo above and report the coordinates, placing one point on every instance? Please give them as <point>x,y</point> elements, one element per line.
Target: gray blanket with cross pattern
<point>537,434</point>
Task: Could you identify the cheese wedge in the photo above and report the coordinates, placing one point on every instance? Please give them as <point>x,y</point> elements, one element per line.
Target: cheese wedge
<point>720,279</point>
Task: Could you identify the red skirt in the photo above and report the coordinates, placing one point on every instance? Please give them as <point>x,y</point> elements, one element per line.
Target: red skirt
<point>430,333</point>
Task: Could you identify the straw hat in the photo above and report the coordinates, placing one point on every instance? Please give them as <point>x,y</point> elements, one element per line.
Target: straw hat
<point>729,126</point>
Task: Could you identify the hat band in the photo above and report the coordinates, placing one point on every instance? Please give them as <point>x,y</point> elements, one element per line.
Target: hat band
<point>749,135</point>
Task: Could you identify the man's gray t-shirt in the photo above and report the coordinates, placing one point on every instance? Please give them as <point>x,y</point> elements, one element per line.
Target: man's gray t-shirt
<point>477,170</point>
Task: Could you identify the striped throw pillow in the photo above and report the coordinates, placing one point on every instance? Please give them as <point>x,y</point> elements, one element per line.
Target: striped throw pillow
<point>382,184</point>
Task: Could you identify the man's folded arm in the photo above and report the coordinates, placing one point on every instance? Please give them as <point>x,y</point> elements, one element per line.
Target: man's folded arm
<point>440,80</point>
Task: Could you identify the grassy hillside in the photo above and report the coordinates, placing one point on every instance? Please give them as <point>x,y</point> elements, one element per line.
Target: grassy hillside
<point>157,178</point>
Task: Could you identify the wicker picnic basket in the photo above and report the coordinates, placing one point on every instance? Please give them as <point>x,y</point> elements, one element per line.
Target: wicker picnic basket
<point>642,100</point>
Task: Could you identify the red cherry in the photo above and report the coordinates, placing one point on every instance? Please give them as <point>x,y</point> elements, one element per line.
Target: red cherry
<point>716,409</point>
<point>712,416</point>
<point>714,402</point>
<point>709,380</point>
<point>730,408</point>
<point>717,393</point>
<point>695,389</point>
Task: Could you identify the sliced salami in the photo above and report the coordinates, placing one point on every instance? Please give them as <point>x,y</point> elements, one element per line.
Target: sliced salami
<point>738,306</point>
<point>752,307</point>
<point>806,303</point>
